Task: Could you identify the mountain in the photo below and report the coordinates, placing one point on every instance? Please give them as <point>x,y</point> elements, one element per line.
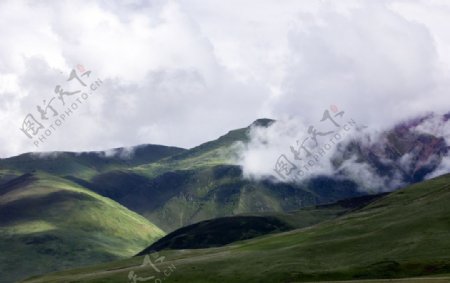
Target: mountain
<point>405,154</point>
<point>218,232</point>
<point>182,197</point>
<point>174,187</point>
<point>201,183</point>
<point>48,223</point>
<point>403,234</point>
<point>225,230</point>
<point>87,164</point>
<point>171,187</point>
<point>216,152</point>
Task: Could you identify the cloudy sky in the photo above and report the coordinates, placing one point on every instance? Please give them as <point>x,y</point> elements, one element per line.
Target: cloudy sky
<point>184,72</point>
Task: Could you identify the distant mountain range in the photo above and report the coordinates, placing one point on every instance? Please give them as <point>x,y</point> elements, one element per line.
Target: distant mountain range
<point>57,205</point>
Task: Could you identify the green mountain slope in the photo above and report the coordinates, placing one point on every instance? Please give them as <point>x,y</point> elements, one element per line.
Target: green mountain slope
<point>7,175</point>
<point>48,224</point>
<point>225,230</point>
<point>87,164</point>
<point>404,234</point>
<point>178,198</point>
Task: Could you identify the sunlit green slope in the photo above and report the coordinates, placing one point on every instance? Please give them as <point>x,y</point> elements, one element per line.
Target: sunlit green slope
<point>48,223</point>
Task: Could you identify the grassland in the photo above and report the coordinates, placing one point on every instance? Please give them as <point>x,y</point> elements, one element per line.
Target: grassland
<point>48,223</point>
<point>403,235</point>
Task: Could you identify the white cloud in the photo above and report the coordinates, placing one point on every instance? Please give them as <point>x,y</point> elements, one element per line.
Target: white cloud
<point>184,72</point>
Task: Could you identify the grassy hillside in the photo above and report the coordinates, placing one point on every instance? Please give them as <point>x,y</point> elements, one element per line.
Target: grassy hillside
<point>7,175</point>
<point>404,234</point>
<point>225,230</point>
<point>178,198</point>
<point>212,153</point>
<point>87,164</point>
<point>48,223</point>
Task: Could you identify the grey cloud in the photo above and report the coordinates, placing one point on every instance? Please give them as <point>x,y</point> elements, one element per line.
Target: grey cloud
<point>181,73</point>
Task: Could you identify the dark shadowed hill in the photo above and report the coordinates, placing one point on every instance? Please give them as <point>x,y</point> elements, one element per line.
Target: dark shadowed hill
<point>225,230</point>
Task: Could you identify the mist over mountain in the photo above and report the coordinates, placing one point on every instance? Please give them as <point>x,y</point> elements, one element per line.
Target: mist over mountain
<point>375,160</point>
<point>408,152</point>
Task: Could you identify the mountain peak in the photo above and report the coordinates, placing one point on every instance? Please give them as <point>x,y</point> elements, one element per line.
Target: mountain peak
<point>263,122</point>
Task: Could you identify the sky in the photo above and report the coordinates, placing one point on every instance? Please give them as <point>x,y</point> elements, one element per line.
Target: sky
<point>181,73</point>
